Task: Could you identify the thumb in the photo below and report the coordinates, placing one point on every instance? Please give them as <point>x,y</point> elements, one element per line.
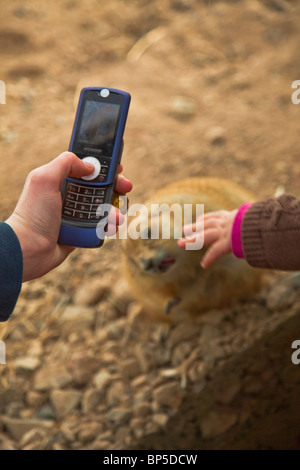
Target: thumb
<point>67,164</point>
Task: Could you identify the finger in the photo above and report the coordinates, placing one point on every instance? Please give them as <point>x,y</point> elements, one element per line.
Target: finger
<point>115,217</point>
<point>214,215</point>
<point>189,229</point>
<point>120,168</point>
<point>67,164</point>
<point>212,255</point>
<point>123,185</point>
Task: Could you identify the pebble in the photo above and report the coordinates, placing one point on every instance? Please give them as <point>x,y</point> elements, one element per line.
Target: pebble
<point>117,393</point>
<point>49,377</point>
<point>160,418</point>
<point>64,401</point>
<point>183,107</point>
<point>216,135</point>
<point>46,412</point>
<point>75,318</point>
<point>91,398</point>
<point>168,394</point>
<point>142,409</point>
<point>34,398</point>
<point>33,435</point>
<point>17,427</point>
<point>89,432</point>
<point>26,364</point>
<point>102,379</point>
<point>82,365</point>
<point>118,415</point>
<point>129,368</point>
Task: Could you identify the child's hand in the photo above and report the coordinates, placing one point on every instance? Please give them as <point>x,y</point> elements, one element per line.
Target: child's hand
<point>217,234</point>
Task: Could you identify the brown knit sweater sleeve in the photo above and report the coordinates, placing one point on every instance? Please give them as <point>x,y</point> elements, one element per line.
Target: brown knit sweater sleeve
<point>271,233</point>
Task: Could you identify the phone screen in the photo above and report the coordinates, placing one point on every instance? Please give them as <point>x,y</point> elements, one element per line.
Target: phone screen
<point>98,123</point>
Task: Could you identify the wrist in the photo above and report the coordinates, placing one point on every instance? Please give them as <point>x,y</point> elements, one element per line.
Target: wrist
<point>31,248</point>
<point>236,233</point>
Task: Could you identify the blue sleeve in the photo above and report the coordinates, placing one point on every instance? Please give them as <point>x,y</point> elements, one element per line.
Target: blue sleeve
<point>11,270</point>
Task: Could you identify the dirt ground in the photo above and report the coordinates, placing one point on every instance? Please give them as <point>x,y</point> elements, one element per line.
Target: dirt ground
<point>211,85</point>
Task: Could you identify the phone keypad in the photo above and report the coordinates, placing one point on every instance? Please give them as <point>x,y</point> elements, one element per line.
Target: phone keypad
<point>81,202</point>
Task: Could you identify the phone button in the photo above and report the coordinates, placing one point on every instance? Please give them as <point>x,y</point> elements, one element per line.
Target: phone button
<point>96,171</point>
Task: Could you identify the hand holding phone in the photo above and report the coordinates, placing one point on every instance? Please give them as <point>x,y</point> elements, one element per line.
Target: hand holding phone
<point>97,138</point>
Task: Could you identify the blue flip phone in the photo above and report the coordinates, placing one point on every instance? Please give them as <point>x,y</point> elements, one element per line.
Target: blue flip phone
<point>97,137</point>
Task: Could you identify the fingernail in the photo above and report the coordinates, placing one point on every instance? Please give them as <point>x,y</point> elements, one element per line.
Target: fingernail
<point>90,167</point>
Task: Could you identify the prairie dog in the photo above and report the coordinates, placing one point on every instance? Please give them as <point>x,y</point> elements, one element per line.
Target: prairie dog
<point>169,280</point>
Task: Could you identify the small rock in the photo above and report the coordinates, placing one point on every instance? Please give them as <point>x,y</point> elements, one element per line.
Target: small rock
<point>35,348</point>
<point>35,399</point>
<point>64,401</point>
<point>168,394</point>
<point>13,409</point>
<point>169,373</point>
<point>26,364</point>
<point>183,108</point>
<point>139,381</point>
<point>141,409</point>
<point>117,393</point>
<point>90,400</point>
<point>101,444</point>
<point>82,366</point>
<point>33,435</point>
<point>55,376</point>
<point>89,432</point>
<point>76,318</point>
<point>129,368</point>
<point>216,423</point>
<point>115,329</point>
<point>92,292</point>
<point>137,426</point>
<point>216,136</point>
<point>46,412</point>
<point>102,379</point>
<point>160,418</point>
<point>9,395</point>
<point>119,416</point>
<point>18,427</point>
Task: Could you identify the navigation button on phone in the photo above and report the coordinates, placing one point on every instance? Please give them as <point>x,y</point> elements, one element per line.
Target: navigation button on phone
<point>96,171</point>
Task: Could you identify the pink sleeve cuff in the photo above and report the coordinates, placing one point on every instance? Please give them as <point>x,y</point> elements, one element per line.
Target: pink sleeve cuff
<point>236,234</point>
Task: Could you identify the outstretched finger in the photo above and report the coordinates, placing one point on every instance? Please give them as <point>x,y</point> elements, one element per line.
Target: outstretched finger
<point>213,254</point>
